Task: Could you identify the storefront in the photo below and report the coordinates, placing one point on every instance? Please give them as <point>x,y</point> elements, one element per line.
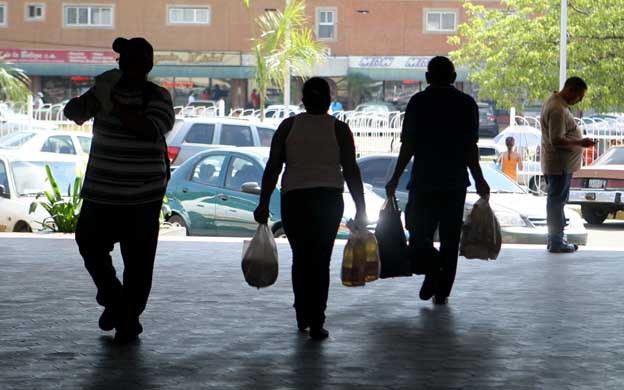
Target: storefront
<point>62,74</point>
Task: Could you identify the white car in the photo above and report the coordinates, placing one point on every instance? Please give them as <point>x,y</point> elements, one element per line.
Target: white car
<point>22,177</point>
<point>11,121</point>
<point>49,141</point>
<point>522,216</point>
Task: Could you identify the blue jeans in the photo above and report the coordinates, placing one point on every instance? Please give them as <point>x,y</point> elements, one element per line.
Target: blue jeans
<point>557,195</point>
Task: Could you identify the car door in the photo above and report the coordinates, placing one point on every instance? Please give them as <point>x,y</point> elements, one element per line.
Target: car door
<point>62,144</point>
<point>236,135</point>
<point>198,138</point>
<point>235,208</point>
<point>375,172</point>
<point>199,194</point>
<point>265,135</point>
<point>6,205</point>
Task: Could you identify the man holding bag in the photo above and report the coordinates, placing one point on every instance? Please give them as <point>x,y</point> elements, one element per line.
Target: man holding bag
<point>440,116</point>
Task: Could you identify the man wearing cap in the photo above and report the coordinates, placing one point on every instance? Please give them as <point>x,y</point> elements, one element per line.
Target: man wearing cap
<point>125,182</point>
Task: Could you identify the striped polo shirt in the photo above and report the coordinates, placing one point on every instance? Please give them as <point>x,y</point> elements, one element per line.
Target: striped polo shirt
<point>124,169</point>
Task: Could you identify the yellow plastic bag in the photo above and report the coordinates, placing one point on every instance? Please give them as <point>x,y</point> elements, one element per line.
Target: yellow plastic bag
<point>360,260</point>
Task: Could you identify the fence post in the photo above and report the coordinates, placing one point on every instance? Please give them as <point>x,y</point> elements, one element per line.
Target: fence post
<point>512,116</point>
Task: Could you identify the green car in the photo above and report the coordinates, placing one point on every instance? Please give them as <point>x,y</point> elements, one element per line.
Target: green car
<point>215,192</point>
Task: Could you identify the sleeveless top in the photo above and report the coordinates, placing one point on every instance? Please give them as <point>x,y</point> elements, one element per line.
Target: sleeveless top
<point>312,154</point>
<point>510,166</point>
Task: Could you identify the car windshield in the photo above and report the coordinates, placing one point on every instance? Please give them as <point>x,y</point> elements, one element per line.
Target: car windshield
<point>15,140</point>
<point>31,178</point>
<point>614,156</point>
<point>498,182</point>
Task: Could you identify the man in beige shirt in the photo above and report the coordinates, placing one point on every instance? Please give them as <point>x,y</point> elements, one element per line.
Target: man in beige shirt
<point>562,148</point>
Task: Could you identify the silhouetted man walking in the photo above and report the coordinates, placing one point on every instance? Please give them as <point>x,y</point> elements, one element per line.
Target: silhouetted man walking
<point>125,182</point>
<point>440,131</point>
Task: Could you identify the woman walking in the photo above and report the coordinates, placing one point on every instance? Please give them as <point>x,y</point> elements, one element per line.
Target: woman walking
<point>314,146</point>
<point>510,161</point>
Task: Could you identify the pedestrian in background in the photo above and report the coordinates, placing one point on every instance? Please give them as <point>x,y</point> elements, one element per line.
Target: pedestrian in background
<point>314,146</point>
<point>124,184</point>
<point>255,99</point>
<point>562,154</point>
<point>510,161</point>
<point>336,106</point>
<point>438,118</point>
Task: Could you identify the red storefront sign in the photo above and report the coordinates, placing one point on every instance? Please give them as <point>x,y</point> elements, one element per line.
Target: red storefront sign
<point>42,56</point>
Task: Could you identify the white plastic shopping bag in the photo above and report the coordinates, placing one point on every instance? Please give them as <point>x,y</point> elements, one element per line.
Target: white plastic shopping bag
<point>260,264</point>
<point>481,233</point>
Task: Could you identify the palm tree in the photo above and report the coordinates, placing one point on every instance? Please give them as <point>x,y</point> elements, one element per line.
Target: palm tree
<point>14,83</point>
<point>286,46</point>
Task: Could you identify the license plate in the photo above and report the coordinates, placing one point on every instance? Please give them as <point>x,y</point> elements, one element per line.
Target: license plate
<point>595,183</point>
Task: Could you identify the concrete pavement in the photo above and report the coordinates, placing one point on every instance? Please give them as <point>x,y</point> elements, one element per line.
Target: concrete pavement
<point>529,320</point>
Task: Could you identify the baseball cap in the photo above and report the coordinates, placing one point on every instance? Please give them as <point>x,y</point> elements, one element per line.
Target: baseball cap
<point>133,45</point>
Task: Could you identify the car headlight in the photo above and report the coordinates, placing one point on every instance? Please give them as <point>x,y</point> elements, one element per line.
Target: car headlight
<point>509,219</point>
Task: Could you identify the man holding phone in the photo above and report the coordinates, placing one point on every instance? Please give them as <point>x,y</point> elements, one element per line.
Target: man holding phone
<point>562,154</point>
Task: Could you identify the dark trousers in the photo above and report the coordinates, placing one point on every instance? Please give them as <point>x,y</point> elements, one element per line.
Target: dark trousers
<point>426,212</point>
<point>311,218</point>
<point>557,192</point>
<point>135,228</point>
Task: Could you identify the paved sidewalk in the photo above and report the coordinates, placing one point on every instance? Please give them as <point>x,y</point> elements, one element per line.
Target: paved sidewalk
<point>529,320</point>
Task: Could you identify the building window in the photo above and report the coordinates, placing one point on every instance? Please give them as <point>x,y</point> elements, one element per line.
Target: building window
<point>326,23</point>
<point>3,14</point>
<point>189,15</point>
<point>440,21</point>
<point>35,11</point>
<point>88,16</point>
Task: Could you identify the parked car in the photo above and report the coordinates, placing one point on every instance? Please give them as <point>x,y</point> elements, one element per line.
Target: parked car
<point>488,128</point>
<point>49,141</point>
<point>522,216</point>
<point>376,107</point>
<point>489,150</point>
<point>22,177</point>
<point>215,192</point>
<point>599,188</point>
<point>192,135</point>
<point>11,121</point>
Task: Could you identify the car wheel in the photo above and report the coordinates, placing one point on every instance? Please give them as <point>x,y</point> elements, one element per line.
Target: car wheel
<point>594,215</point>
<point>176,219</point>
<point>22,227</point>
<point>278,230</point>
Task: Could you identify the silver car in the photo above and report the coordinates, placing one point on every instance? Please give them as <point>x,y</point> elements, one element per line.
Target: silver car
<point>522,216</point>
<point>192,135</point>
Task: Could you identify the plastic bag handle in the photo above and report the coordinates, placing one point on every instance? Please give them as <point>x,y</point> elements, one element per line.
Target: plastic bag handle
<point>392,203</point>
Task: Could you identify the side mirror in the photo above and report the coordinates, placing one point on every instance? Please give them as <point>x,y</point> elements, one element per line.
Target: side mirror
<point>3,193</point>
<point>251,187</point>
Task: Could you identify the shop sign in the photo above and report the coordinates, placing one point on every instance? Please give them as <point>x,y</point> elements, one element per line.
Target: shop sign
<point>197,58</point>
<point>106,57</point>
<point>42,56</point>
<point>390,62</point>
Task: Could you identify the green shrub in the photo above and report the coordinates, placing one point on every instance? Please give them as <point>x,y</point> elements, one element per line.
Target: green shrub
<point>63,212</point>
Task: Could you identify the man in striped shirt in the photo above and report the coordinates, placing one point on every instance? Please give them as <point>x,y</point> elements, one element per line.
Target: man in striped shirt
<point>125,182</point>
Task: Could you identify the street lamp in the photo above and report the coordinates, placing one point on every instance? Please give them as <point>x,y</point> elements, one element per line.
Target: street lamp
<point>563,43</point>
<point>287,77</point>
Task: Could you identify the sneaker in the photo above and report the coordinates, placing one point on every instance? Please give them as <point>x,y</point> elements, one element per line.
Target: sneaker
<point>108,319</point>
<point>302,322</point>
<point>128,333</point>
<point>428,288</point>
<point>319,333</point>
<point>563,248</point>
